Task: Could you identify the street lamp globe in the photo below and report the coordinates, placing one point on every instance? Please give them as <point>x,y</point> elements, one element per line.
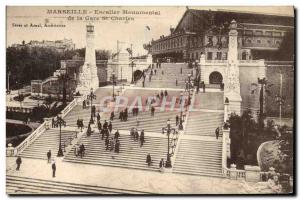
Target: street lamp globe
<point>168,122</point>
<point>189,75</point>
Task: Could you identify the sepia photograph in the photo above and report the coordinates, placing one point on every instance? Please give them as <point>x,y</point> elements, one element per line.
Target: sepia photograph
<point>150,100</point>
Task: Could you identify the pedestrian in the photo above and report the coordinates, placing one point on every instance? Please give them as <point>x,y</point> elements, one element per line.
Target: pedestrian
<point>18,161</point>
<point>110,126</point>
<point>117,146</point>
<point>137,121</point>
<point>102,132</point>
<point>161,165</point>
<point>132,133</point>
<point>152,111</point>
<point>155,72</point>
<point>121,115</point>
<point>125,114</point>
<point>98,117</point>
<point>162,94</point>
<point>53,169</point>
<point>112,115</point>
<point>94,111</point>
<point>99,126</point>
<point>105,125</point>
<point>53,123</point>
<point>203,87</point>
<point>176,82</point>
<point>49,156</point>
<point>148,159</point>
<point>142,138</point>
<point>217,132</point>
<point>81,124</point>
<point>76,150</point>
<point>186,86</point>
<point>181,70</point>
<point>222,86</point>
<point>143,84</point>
<point>83,104</point>
<point>112,144</point>
<point>166,93</point>
<point>136,135</point>
<point>117,135</point>
<point>177,120</point>
<point>150,78</point>
<point>82,150</point>
<point>106,143</point>
<point>162,72</point>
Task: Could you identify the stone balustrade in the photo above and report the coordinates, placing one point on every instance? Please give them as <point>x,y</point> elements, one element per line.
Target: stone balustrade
<point>35,134</point>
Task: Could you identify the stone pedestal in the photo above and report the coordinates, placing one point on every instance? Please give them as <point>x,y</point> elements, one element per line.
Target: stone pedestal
<point>235,102</point>
<point>252,173</point>
<point>233,172</point>
<point>47,122</point>
<point>10,150</point>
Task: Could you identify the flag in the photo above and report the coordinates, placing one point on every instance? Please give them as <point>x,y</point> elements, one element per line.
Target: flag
<point>129,51</point>
<point>148,27</point>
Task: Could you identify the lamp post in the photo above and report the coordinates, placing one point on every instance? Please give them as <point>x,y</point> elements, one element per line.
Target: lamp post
<point>113,79</point>
<point>169,130</point>
<point>279,99</point>
<point>181,117</point>
<point>189,88</point>
<point>91,96</point>
<point>59,122</point>
<point>132,65</point>
<point>262,82</point>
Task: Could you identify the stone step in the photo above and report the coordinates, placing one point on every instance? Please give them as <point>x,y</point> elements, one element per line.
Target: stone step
<point>56,187</point>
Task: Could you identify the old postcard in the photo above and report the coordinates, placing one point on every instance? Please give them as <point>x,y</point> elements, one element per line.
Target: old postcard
<point>149,100</point>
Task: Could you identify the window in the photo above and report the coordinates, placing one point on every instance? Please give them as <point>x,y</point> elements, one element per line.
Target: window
<point>268,33</point>
<point>248,32</point>
<point>197,55</point>
<point>277,42</point>
<point>269,41</point>
<point>249,41</point>
<point>258,41</point>
<point>210,41</point>
<point>258,32</point>
<point>209,55</point>
<point>277,34</point>
<point>219,55</point>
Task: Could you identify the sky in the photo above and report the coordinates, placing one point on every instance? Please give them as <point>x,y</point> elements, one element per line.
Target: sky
<point>106,32</point>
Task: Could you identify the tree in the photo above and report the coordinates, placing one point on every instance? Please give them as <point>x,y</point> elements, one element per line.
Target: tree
<point>48,101</point>
<point>64,79</point>
<point>20,98</point>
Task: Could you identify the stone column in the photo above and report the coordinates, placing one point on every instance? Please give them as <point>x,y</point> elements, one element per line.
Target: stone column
<point>233,172</point>
<point>47,122</point>
<point>232,82</point>
<point>252,173</point>
<point>10,150</point>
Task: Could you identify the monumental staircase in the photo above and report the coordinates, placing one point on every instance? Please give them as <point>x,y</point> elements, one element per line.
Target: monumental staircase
<point>199,152</point>
<point>48,140</point>
<point>199,157</point>
<point>131,154</point>
<point>167,79</point>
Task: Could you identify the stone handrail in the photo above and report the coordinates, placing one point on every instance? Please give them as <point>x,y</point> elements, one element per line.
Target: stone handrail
<point>215,61</point>
<point>225,170</point>
<point>68,108</point>
<point>30,139</point>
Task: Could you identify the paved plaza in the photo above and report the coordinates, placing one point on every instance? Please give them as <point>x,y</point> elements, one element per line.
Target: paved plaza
<point>139,180</point>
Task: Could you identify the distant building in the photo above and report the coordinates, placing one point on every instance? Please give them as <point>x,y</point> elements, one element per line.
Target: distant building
<point>205,31</point>
<point>59,45</point>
